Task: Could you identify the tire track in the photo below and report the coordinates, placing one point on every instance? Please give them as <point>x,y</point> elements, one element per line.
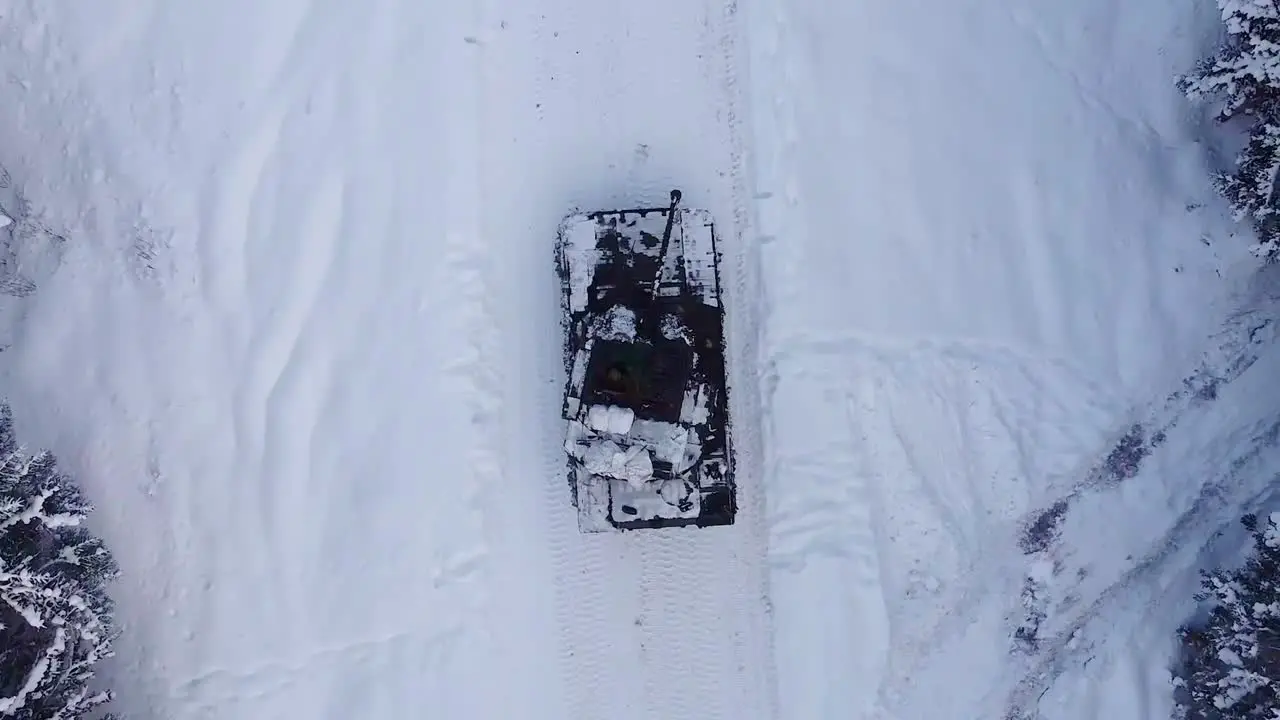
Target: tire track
<point>1067,585</point>
<point>1240,342</point>
<point>667,685</point>
<point>754,641</point>
<point>1245,478</point>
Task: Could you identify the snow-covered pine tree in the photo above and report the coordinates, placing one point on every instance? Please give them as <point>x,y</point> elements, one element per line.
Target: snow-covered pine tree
<point>1245,75</point>
<point>1231,665</point>
<point>55,615</point>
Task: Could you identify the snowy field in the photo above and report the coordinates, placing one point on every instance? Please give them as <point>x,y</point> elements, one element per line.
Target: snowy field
<point>280,294</point>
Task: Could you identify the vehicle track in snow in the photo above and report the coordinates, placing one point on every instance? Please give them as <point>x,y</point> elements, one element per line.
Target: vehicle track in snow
<point>1084,617</point>
<point>1206,452</point>
<point>875,501</point>
<point>599,106</point>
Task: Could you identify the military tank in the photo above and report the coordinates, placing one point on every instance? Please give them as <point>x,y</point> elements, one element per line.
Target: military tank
<point>647,429</point>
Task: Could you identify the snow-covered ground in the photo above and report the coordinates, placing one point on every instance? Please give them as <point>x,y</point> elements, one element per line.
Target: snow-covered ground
<point>282,298</point>
<point>984,260</point>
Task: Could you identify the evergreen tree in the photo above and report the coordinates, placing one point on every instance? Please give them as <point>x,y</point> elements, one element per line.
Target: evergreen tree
<point>55,615</point>
<point>1245,74</point>
<point>1231,667</point>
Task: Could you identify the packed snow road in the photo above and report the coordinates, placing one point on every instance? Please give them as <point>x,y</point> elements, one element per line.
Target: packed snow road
<point>611,105</point>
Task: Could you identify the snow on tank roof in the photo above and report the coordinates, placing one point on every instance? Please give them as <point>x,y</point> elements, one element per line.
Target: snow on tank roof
<point>581,258</point>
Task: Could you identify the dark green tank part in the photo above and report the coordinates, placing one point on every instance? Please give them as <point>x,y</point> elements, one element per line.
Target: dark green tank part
<point>644,330</point>
<point>648,378</point>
